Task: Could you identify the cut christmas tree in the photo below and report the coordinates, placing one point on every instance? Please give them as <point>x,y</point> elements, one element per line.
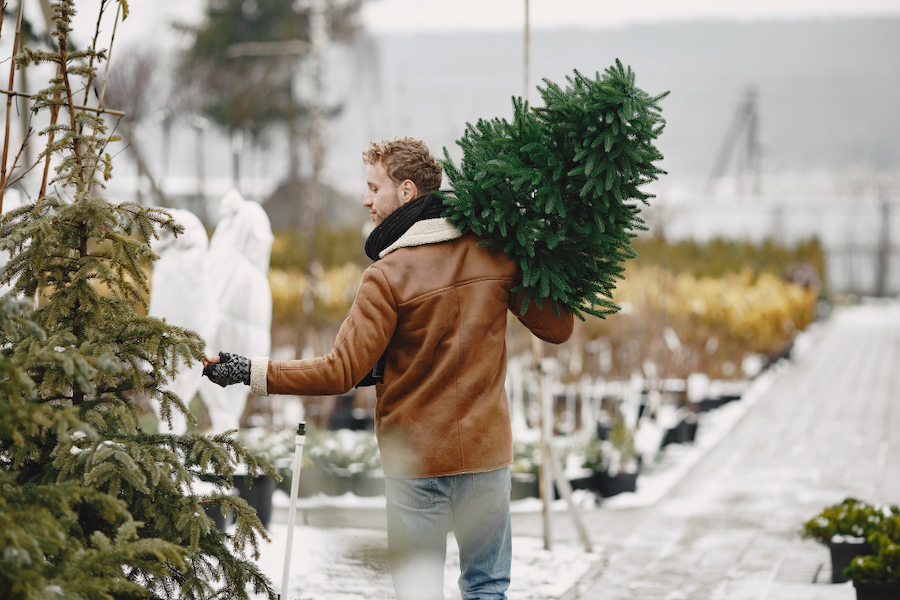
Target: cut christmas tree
<point>559,187</point>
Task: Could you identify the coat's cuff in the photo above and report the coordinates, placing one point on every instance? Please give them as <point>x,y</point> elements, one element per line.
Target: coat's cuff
<point>259,370</point>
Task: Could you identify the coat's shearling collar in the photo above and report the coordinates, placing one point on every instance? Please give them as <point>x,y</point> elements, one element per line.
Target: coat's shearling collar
<point>428,231</point>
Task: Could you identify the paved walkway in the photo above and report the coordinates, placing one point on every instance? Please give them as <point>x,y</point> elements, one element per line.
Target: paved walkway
<point>828,428</point>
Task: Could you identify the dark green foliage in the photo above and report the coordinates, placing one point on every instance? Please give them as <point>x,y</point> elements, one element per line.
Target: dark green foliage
<point>849,518</point>
<point>254,90</point>
<point>558,188</point>
<point>883,566</point>
<point>91,506</point>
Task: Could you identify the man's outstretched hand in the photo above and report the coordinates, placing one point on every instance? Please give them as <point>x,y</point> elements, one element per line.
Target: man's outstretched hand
<point>227,369</point>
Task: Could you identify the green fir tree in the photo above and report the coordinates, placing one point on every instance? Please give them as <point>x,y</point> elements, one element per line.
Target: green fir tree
<point>558,187</point>
<point>92,506</point>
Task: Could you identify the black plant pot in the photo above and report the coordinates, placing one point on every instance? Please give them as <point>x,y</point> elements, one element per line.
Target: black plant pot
<point>876,590</point>
<point>258,495</point>
<point>524,485</point>
<point>214,512</point>
<point>612,485</point>
<point>687,429</point>
<point>603,430</point>
<point>671,437</point>
<point>337,481</point>
<point>596,477</point>
<point>368,484</point>
<point>842,553</point>
<point>726,398</point>
<point>581,483</point>
<point>310,482</point>
<point>708,404</point>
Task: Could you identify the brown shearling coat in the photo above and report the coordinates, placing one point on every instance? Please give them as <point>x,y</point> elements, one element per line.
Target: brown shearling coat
<point>439,311</point>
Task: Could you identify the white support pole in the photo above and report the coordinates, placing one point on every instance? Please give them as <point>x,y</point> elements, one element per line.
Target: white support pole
<point>545,470</point>
<point>565,490</point>
<point>299,441</point>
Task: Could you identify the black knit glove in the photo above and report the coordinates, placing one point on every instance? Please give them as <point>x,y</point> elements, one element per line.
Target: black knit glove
<point>232,368</point>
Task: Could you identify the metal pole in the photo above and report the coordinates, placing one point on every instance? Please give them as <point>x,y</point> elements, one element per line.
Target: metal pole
<point>299,441</point>
<point>318,23</point>
<point>527,84</point>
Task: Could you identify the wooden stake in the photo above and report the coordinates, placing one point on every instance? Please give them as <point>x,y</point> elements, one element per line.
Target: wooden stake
<point>54,115</point>
<point>544,469</point>
<point>107,111</point>
<point>565,490</point>
<point>550,468</point>
<point>9,100</point>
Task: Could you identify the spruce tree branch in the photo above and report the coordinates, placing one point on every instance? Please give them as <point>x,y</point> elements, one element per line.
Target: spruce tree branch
<point>93,51</point>
<point>106,142</point>
<point>99,110</point>
<point>54,116</point>
<point>70,105</point>
<point>15,164</point>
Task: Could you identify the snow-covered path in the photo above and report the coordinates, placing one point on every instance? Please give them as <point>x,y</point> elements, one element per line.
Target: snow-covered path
<point>721,522</point>
<point>828,428</point>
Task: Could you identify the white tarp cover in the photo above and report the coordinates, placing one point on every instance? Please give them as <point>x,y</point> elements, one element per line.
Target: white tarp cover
<point>180,293</point>
<point>12,200</point>
<point>237,267</point>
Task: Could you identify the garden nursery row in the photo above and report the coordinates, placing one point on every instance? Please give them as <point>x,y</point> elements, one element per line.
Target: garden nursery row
<point>605,434</point>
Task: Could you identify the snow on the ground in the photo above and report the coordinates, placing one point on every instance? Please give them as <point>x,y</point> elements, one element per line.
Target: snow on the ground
<point>351,563</point>
<point>660,474</point>
<point>345,564</point>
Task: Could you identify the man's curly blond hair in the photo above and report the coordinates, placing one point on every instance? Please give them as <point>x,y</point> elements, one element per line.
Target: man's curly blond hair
<point>406,158</point>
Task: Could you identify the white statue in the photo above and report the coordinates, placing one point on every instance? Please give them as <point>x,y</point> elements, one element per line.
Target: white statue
<point>238,265</point>
<point>180,293</point>
<point>12,200</point>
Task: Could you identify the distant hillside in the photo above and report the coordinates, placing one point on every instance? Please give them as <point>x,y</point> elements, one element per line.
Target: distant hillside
<point>829,90</point>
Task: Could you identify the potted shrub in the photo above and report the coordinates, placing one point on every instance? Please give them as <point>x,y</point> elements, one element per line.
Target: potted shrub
<point>844,528</point>
<point>368,478</point>
<point>624,462</point>
<point>877,576</point>
<point>524,471</point>
<point>595,460</point>
<point>258,490</point>
<point>349,462</point>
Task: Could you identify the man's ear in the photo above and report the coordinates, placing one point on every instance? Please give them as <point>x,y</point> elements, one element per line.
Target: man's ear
<point>408,191</point>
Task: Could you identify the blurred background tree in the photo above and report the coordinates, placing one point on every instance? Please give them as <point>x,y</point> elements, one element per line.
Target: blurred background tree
<point>245,64</point>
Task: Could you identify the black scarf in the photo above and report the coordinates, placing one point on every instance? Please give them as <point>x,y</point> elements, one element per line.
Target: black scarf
<point>390,230</point>
<point>398,222</point>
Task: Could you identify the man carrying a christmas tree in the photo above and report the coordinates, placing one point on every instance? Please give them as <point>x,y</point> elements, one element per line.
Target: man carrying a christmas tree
<point>428,328</point>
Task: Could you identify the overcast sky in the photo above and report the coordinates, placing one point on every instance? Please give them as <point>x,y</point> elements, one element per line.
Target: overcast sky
<point>150,20</point>
<point>385,16</point>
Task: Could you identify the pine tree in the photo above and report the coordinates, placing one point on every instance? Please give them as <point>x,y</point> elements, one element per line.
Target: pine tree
<point>92,506</point>
<point>558,188</point>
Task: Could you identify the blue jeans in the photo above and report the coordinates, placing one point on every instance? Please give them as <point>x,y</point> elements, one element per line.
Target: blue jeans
<point>420,514</point>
